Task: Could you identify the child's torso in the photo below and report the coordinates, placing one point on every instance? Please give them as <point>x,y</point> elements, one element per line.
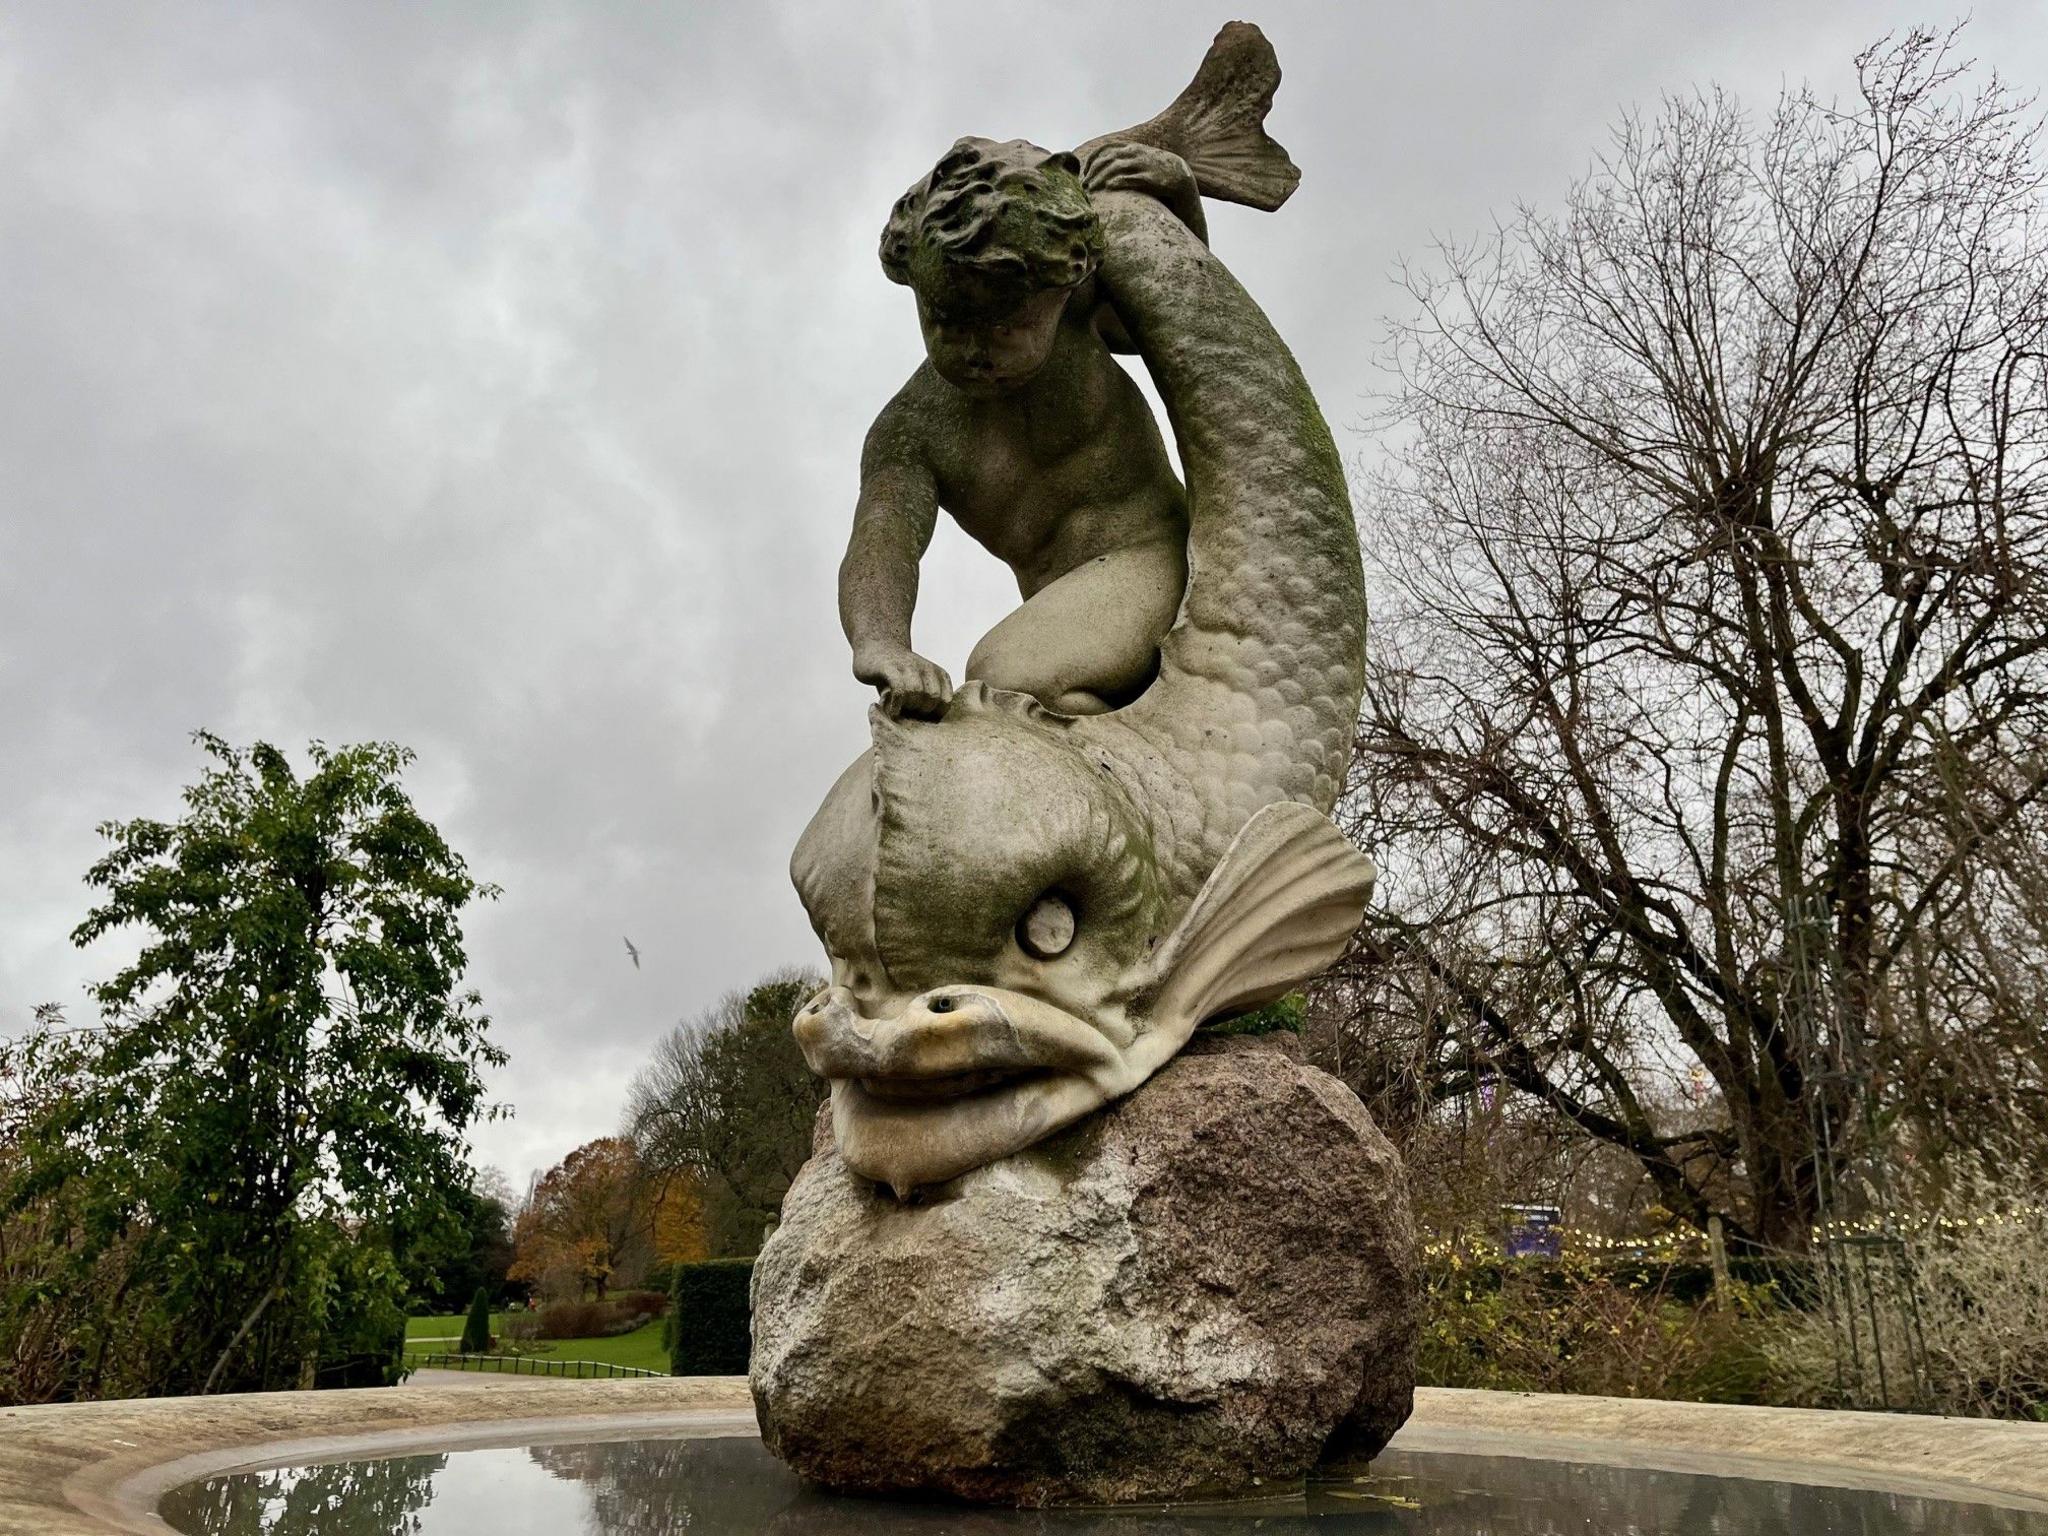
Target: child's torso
<point>1053,476</point>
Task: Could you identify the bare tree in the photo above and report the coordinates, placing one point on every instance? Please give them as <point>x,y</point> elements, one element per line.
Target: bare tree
<point>1704,744</point>
<point>728,1102</point>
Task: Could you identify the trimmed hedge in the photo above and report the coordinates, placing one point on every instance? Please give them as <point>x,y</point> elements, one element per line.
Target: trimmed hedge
<point>476,1329</point>
<point>710,1329</point>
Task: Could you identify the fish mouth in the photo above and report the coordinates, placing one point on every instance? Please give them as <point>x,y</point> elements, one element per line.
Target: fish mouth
<point>949,1042</point>
<point>940,1089</point>
<point>960,1077</point>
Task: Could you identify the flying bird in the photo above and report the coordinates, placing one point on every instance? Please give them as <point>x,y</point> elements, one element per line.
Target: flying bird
<point>634,953</point>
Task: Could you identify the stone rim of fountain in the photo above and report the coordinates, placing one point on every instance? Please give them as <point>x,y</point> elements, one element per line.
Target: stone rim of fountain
<point>97,1468</point>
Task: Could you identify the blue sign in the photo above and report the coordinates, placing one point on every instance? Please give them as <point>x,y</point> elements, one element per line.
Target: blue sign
<point>1532,1231</point>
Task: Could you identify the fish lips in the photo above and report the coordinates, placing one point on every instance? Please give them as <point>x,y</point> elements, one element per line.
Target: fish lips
<point>962,1076</point>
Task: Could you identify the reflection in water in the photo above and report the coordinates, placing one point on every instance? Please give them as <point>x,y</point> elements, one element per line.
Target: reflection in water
<point>733,1485</point>
<point>348,1496</point>
<point>674,1485</point>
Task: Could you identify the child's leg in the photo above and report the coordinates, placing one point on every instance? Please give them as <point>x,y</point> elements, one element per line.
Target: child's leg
<point>1089,642</point>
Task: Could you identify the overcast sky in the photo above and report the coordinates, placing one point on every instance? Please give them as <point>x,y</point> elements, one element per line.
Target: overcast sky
<point>491,379</point>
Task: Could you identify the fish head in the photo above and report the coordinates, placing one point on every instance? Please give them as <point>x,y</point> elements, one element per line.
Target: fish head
<point>983,885</point>
<point>1006,954</point>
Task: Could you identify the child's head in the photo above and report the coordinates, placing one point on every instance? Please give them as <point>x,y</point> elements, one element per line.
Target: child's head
<point>992,242</point>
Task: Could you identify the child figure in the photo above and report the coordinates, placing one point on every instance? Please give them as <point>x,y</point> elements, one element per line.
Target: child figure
<point>1024,428</point>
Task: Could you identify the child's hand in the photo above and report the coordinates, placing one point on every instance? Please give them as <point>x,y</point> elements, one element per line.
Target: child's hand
<point>909,684</point>
<point>1124,166</point>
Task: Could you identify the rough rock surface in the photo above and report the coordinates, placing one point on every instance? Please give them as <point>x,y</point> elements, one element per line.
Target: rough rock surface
<point>1208,1286</point>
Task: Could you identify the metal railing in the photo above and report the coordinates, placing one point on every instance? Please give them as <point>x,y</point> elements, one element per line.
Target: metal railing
<point>524,1365</point>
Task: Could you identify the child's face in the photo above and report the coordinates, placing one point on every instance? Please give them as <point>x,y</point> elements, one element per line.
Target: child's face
<point>984,349</point>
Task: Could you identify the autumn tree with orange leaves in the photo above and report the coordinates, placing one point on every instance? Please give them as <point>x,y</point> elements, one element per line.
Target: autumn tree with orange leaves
<point>596,1221</point>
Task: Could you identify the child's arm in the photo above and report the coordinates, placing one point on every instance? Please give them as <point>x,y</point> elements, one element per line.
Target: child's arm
<point>892,527</point>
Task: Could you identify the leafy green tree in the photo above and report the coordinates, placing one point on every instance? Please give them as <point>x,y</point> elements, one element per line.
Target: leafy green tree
<point>729,1102</point>
<point>279,1085</point>
<point>476,1329</point>
<point>52,1302</point>
<point>471,1249</point>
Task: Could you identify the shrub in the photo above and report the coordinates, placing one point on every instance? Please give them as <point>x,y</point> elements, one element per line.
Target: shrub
<point>1978,1273</point>
<point>1581,1325</point>
<point>1286,1014</point>
<point>600,1319</point>
<point>571,1320</point>
<point>476,1330</point>
<point>711,1328</point>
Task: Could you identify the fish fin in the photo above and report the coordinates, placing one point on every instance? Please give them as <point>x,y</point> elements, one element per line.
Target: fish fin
<point>1218,124</point>
<point>1279,906</point>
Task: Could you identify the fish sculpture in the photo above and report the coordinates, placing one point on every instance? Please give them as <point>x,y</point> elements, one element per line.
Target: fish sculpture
<point>1027,912</point>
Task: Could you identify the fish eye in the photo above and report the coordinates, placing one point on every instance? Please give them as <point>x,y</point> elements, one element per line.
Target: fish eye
<point>1048,928</point>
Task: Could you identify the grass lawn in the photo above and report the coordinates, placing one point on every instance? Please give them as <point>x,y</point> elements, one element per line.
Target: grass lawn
<point>449,1328</point>
<point>641,1348</point>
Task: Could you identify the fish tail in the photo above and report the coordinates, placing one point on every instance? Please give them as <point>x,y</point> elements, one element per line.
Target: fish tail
<point>1218,124</point>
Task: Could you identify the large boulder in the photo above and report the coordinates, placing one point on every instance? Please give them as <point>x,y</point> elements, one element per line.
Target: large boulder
<point>1205,1288</point>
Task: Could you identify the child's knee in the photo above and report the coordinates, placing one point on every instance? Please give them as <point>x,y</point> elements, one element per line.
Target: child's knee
<point>1010,667</point>
<point>1078,701</point>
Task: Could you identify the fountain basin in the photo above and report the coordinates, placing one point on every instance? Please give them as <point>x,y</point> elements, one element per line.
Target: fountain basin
<point>91,1469</point>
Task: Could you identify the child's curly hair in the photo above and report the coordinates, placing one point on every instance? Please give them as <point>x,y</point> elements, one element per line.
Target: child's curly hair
<point>1005,218</point>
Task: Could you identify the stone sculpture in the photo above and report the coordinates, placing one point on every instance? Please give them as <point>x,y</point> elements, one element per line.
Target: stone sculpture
<point>1021,426</point>
<point>1033,891</point>
<point>1031,902</point>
